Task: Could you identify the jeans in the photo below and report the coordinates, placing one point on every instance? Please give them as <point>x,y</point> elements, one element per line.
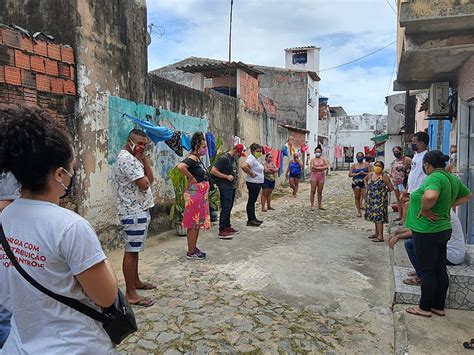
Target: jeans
<point>4,325</point>
<point>431,254</point>
<point>410,248</point>
<point>227,197</point>
<point>254,191</point>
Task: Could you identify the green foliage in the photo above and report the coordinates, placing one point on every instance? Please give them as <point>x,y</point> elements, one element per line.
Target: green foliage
<point>179,182</point>
<point>213,196</point>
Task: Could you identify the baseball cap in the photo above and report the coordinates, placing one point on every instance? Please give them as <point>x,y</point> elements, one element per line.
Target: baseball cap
<point>239,148</point>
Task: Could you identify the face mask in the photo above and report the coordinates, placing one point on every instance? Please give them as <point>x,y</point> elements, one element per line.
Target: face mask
<point>454,156</point>
<point>136,149</point>
<point>360,159</point>
<point>378,169</point>
<point>317,155</point>
<point>258,155</point>
<point>397,155</point>
<point>202,151</point>
<point>68,188</point>
<point>414,147</point>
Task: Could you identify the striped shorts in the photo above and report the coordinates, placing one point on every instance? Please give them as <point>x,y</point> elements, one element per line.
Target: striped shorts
<point>135,227</point>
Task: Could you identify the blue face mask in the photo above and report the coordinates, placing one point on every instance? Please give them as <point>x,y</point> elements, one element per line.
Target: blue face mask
<point>360,159</point>
<point>68,188</point>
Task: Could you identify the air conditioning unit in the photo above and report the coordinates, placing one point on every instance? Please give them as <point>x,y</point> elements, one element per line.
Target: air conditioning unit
<point>439,99</point>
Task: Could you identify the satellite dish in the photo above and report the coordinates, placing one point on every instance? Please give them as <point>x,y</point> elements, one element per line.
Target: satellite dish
<point>400,108</point>
<point>148,38</point>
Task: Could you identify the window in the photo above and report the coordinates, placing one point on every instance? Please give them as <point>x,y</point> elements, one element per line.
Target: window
<point>300,57</point>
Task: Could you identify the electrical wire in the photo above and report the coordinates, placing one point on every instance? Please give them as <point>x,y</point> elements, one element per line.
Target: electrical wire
<point>391,6</point>
<point>390,82</point>
<point>356,60</point>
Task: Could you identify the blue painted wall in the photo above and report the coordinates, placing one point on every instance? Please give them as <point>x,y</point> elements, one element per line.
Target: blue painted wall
<point>433,133</point>
<point>446,136</point>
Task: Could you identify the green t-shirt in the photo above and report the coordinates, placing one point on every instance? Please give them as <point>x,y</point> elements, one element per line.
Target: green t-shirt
<point>450,188</point>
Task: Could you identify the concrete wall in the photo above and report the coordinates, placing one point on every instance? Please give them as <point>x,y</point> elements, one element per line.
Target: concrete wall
<point>421,122</point>
<point>312,113</point>
<point>312,56</point>
<point>395,120</point>
<point>466,80</point>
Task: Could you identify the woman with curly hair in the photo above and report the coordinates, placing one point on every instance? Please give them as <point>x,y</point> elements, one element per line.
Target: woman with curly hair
<point>59,248</point>
<point>196,210</point>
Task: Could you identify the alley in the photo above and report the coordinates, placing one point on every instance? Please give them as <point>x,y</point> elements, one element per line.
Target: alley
<point>306,281</point>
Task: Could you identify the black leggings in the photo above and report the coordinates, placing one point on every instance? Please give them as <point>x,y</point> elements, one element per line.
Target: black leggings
<point>254,191</point>
<point>431,252</point>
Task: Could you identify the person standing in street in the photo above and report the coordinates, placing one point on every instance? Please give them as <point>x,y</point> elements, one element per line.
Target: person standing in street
<point>358,172</point>
<point>428,218</point>
<point>397,174</point>
<point>419,145</point>
<point>225,171</point>
<point>196,214</point>
<point>295,168</point>
<point>133,177</point>
<point>255,177</point>
<point>270,170</point>
<point>319,166</point>
<point>9,191</point>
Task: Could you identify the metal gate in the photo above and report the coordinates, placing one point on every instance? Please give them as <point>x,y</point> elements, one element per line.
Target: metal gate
<point>466,163</point>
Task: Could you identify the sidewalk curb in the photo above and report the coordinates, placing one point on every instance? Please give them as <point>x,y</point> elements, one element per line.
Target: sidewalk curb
<point>401,335</point>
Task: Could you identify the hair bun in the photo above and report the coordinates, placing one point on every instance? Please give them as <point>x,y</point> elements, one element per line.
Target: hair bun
<point>444,158</point>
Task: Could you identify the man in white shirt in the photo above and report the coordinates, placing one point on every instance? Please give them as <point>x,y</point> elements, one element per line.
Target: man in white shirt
<point>133,177</point>
<point>419,143</point>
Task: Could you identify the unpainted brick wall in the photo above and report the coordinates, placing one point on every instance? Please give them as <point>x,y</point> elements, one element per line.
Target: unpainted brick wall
<point>297,138</point>
<point>37,72</point>
<point>249,93</point>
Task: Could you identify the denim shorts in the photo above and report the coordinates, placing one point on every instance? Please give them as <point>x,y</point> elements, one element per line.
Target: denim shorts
<point>268,184</point>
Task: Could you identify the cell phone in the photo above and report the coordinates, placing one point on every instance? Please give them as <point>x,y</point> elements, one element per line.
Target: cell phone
<point>400,187</point>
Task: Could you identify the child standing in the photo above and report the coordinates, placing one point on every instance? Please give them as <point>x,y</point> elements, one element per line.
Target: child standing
<point>378,186</point>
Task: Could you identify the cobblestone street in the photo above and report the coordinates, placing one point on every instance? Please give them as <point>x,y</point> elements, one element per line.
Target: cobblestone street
<point>304,282</point>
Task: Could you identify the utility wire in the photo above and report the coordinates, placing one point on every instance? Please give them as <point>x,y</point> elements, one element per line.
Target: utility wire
<point>389,83</point>
<point>391,6</point>
<point>356,60</point>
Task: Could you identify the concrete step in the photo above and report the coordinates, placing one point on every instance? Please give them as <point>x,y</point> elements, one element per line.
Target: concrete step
<point>470,255</point>
<point>460,293</point>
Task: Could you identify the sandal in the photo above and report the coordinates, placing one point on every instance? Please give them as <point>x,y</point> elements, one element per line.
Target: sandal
<point>439,313</point>
<point>411,273</point>
<point>144,302</point>
<point>412,281</point>
<point>469,345</point>
<point>378,240</point>
<point>146,286</point>
<point>418,312</point>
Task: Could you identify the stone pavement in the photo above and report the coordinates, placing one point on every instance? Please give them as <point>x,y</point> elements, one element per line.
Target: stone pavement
<point>304,282</point>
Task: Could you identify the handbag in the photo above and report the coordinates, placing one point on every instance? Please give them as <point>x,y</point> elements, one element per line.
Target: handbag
<point>118,320</point>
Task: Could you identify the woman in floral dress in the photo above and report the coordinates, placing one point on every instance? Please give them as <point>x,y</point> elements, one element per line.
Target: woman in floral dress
<point>196,209</point>
<point>378,186</point>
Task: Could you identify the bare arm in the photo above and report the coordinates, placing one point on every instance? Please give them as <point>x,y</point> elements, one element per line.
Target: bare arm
<point>351,169</point>
<point>462,200</point>
<point>246,168</point>
<point>99,283</point>
<point>144,182</point>
<point>428,200</point>
<point>216,172</point>
<point>388,182</point>
<point>183,169</point>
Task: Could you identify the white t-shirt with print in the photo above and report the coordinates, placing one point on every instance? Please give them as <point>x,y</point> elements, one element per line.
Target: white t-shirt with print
<point>416,176</point>
<point>130,199</point>
<point>53,245</point>
<point>456,245</point>
<point>257,168</point>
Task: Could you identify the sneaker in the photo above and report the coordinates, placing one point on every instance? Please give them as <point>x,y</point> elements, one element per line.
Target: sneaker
<point>253,223</point>
<point>258,221</point>
<point>197,255</point>
<point>225,234</point>
<point>232,230</point>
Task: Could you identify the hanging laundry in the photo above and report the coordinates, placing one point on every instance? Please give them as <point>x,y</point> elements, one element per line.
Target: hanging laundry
<point>175,143</point>
<point>338,152</point>
<point>156,133</point>
<point>304,149</point>
<point>349,154</point>
<point>276,157</point>
<point>211,144</point>
<point>292,149</point>
<point>280,170</point>
<point>236,141</point>
<point>266,149</point>
<point>380,149</point>
<point>186,141</point>
<point>284,151</point>
<point>370,152</point>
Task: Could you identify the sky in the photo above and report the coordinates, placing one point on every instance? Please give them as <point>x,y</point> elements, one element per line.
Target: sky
<point>262,29</point>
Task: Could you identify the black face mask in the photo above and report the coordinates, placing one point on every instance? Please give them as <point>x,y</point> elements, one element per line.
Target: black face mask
<point>397,155</point>
<point>414,147</point>
<point>68,189</point>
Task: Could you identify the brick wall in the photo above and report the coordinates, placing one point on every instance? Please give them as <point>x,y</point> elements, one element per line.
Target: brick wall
<point>297,138</point>
<point>249,94</point>
<point>36,72</point>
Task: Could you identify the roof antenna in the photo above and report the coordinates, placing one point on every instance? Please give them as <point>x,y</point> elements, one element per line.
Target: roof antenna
<point>230,40</point>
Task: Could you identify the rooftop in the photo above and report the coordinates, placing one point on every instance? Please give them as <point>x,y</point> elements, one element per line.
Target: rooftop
<point>302,48</point>
<point>214,70</point>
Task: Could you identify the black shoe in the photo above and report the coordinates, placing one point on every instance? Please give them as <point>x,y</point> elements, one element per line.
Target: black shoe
<point>253,224</point>
<point>258,221</point>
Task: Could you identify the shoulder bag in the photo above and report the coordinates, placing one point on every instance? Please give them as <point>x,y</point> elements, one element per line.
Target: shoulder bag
<point>118,320</point>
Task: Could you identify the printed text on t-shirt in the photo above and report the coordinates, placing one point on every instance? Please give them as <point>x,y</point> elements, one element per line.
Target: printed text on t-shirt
<point>26,253</point>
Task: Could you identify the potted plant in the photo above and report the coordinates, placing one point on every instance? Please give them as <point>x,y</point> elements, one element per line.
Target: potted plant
<point>177,208</point>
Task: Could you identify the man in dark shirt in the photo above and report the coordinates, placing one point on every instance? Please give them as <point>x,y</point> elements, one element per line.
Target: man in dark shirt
<point>225,172</point>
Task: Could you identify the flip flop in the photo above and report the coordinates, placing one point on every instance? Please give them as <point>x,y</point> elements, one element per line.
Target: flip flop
<point>411,273</point>
<point>415,311</point>
<point>439,313</point>
<point>378,240</point>
<point>271,209</point>
<point>146,286</point>
<point>144,302</point>
<point>321,208</point>
<point>412,282</point>
<point>469,345</point>
<point>373,236</point>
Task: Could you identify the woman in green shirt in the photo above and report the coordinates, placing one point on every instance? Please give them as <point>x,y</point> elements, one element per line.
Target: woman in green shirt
<point>428,218</point>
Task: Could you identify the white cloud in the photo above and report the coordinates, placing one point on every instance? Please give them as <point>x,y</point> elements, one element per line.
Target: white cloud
<point>344,30</point>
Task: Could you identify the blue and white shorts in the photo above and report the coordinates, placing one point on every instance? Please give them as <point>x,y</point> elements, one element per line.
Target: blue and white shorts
<point>135,227</point>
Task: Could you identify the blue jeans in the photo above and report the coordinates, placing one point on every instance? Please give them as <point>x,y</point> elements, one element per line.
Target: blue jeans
<point>410,248</point>
<point>4,325</point>
<point>227,197</point>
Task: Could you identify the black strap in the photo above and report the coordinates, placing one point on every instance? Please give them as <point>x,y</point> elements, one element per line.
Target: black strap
<point>71,302</point>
